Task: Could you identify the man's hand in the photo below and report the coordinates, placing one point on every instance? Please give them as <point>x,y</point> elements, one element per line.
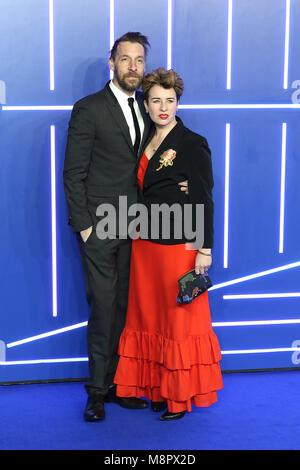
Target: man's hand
<point>184,186</point>
<point>86,233</point>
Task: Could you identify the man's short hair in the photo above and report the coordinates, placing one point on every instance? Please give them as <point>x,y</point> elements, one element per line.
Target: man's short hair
<point>130,37</point>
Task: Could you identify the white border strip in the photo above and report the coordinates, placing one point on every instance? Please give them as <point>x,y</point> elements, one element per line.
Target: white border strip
<point>51,44</point>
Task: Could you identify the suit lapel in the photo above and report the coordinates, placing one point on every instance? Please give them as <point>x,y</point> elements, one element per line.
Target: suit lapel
<point>146,120</point>
<point>117,114</point>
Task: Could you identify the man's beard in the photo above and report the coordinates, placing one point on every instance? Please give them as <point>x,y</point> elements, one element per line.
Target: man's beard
<point>126,86</point>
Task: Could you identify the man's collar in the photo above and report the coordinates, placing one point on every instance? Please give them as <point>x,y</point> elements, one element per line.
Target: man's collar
<point>119,94</point>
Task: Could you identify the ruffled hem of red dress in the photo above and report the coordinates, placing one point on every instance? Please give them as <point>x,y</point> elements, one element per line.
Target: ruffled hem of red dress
<point>174,355</point>
<point>181,373</point>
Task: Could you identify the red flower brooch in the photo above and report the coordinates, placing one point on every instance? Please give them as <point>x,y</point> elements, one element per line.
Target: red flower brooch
<point>166,159</point>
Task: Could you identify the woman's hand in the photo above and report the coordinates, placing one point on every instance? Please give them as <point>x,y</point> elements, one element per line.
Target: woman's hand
<point>203,260</point>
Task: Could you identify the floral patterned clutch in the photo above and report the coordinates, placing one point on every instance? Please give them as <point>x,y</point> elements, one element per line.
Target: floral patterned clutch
<point>191,285</point>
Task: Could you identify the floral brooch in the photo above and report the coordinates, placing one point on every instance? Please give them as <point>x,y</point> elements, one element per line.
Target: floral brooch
<point>166,159</point>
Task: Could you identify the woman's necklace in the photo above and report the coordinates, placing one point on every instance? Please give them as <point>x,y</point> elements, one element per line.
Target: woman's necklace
<point>157,144</point>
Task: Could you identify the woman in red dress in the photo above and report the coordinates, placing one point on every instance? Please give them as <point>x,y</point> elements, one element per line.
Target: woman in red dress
<point>169,352</point>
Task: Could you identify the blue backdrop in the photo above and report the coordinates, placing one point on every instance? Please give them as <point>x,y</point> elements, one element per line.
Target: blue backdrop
<point>240,64</point>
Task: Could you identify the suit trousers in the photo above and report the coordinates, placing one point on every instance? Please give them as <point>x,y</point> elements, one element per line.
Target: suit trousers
<point>106,265</point>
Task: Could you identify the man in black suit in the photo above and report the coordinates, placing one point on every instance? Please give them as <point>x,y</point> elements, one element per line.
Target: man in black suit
<point>106,131</point>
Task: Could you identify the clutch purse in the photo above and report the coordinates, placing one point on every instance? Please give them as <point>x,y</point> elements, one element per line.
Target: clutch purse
<point>191,285</point>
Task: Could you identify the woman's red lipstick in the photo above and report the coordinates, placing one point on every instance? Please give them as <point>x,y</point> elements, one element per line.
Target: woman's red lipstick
<point>163,116</point>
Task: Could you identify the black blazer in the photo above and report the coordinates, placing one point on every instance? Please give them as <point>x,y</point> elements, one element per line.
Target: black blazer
<point>192,162</point>
<point>100,161</point>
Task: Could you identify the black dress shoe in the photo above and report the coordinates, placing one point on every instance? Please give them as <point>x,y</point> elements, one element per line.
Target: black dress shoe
<point>158,405</point>
<point>94,410</point>
<point>167,416</point>
<point>132,403</point>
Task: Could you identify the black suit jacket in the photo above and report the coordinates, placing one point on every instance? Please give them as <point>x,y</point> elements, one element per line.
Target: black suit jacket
<point>100,161</point>
<point>192,162</point>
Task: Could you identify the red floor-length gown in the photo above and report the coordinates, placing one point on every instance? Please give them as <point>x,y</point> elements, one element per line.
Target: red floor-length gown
<point>168,352</point>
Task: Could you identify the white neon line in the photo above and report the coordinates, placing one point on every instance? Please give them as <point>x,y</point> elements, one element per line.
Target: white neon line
<point>43,361</point>
<point>257,351</point>
<point>53,222</point>
<point>226,198</point>
<point>51,44</point>
<point>85,359</point>
<point>276,295</point>
<point>83,324</point>
<point>255,276</point>
<point>169,40</point>
<point>256,322</point>
<point>216,286</point>
<point>111,29</point>
<point>240,106</point>
<point>46,335</point>
<point>282,187</point>
<point>229,45</point>
<point>181,106</point>
<point>37,108</point>
<point>286,43</point>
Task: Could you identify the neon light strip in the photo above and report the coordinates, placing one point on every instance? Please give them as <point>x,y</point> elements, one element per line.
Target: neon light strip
<point>181,106</point>
<point>37,108</point>
<point>226,198</point>
<point>85,359</point>
<point>169,40</point>
<point>46,335</point>
<point>240,106</point>
<point>51,44</point>
<point>229,45</point>
<point>262,296</point>
<point>44,361</point>
<point>83,324</point>
<point>255,351</point>
<point>111,29</point>
<point>286,43</point>
<point>256,322</point>
<point>216,286</point>
<point>282,187</point>
<point>53,223</point>
<point>255,276</point>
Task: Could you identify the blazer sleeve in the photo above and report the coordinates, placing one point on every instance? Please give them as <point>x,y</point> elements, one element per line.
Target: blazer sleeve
<point>81,135</point>
<point>200,185</point>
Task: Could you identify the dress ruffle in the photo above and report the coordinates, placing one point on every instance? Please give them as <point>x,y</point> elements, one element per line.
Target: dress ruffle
<point>200,349</point>
<point>160,369</point>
